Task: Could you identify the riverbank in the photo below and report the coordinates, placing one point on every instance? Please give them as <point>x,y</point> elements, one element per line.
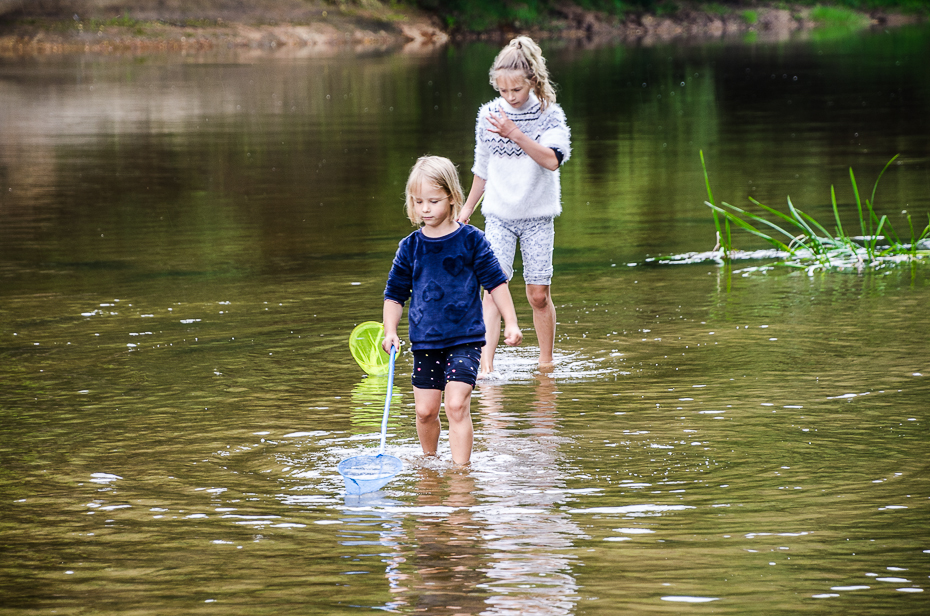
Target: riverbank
<point>322,28</point>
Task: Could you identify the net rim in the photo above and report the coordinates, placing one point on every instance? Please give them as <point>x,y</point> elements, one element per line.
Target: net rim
<point>375,361</point>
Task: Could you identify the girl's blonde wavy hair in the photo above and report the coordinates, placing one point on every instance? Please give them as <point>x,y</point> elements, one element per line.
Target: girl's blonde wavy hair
<point>523,55</point>
<point>435,171</point>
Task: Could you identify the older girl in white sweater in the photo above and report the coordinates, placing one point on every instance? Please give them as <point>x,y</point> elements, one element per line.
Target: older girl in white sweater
<point>521,141</point>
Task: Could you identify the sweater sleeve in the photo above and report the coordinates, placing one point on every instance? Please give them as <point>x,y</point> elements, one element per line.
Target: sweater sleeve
<point>556,133</point>
<point>400,280</point>
<point>482,152</point>
<point>487,267</point>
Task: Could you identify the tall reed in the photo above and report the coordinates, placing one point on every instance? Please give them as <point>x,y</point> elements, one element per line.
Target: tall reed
<point>808,244</point>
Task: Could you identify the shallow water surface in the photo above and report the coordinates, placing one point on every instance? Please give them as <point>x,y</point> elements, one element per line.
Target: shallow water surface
<point>187,243</point>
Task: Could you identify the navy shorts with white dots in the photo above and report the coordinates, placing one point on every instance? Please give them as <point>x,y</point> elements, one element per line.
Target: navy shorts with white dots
<point>433,368</point>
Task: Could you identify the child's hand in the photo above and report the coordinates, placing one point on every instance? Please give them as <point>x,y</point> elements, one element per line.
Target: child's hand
<point>389,341</point>
<point>512,335</point>
<point>502,125</point>
<point>465,214</point>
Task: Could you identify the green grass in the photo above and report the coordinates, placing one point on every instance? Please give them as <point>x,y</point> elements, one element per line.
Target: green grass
<point>122,21</point>
<point>806,243</point>
<point>137,26</point>
<point>837,16</point>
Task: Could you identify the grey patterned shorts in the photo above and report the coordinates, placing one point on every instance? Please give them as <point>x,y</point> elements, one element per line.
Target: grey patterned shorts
<point>537,237</point>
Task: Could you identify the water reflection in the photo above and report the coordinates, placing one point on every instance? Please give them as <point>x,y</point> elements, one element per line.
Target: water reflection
<point>368,403</point>
<point>488,539</point>
<point>373,531</point>
<point>447,554</point>
<point>530,538</point>
<point>238,223</point>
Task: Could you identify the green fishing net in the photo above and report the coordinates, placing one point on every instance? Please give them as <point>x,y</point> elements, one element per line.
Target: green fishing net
<point>365,346</point>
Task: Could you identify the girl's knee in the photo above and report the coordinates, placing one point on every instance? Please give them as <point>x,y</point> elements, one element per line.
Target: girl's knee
<point>538,296</point>
<point>458,408</point>
<point>427,415</point>
<point>458,413</point>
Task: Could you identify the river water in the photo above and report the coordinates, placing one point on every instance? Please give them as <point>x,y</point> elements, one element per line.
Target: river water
<point>187,241</point>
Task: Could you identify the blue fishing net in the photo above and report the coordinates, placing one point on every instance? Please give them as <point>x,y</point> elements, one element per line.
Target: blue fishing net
<point>364,474</point>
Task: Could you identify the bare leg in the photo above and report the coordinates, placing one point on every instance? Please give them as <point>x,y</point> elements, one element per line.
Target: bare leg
<point>458,413</point>
<point>544,321</point>
<point>427,402</point>
<point>492,323</point>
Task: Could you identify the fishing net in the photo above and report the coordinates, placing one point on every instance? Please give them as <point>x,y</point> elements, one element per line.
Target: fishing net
<point>365,346</point>
<point>363,474</point>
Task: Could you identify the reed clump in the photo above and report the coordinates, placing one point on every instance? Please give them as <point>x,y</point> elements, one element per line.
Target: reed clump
<point>803,242</point>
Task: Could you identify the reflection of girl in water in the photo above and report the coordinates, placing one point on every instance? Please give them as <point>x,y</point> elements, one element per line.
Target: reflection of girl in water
<point>445,571</point>
<point>488,539</point>
<point>532,543</point>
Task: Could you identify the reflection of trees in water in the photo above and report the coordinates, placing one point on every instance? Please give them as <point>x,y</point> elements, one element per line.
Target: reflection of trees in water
<point>529,539</point>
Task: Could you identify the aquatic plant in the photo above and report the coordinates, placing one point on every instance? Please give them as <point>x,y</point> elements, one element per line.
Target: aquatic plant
<point>724,239</point>
<point>803,242</point>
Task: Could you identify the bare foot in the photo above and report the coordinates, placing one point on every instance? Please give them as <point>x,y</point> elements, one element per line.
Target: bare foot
<point>546,366</point>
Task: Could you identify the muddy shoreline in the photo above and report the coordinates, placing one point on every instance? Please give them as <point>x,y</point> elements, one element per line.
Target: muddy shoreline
<point>333,31</point>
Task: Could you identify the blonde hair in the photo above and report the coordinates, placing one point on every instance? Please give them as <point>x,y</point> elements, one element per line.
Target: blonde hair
<point>439,172</point>
<point>523,55</point>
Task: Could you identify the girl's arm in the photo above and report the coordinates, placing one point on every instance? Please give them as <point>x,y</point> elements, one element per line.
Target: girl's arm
<point>501,296</point>
<point>506,128</point>
<point>392,313</point>
<point>474,196</point>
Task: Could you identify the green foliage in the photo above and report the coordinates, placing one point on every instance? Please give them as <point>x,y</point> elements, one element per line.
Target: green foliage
<point>611,7</point>
<point>838,16</point>
<point>121,21</point>
<point>497,9</point>
<point>751,17</point>
<point>809,244</point>
<point>724,240</point>
<point>666,8</point>
<point>480,15</point>
<point>916,6</point>
<point>715,8</point>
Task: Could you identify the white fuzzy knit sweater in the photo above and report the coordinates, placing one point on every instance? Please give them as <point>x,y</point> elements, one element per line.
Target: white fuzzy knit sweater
<point>517,187</point>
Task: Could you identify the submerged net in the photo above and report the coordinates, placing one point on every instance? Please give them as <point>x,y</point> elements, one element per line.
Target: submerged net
<point>363,474</point>
<point>365,346</point>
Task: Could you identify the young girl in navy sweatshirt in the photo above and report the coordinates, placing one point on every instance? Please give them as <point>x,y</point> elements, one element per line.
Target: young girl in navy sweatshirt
<point>441,268</point>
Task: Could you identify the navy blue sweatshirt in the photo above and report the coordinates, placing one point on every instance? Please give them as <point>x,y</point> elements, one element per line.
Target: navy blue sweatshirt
<point>443,277</point>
